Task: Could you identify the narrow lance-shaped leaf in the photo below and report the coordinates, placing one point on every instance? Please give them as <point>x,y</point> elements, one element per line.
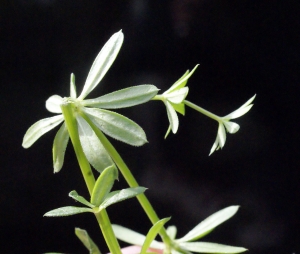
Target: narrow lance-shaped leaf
<point>87,241</point>
<point>102,63</point>
<point>118,196</point>
<point>117,126</point>
<point>209,224</point>
<point>59,147</point>
<point>104,184</point>
<point>204,247</point>
<point>124,98</point>
<point>92,147</point>
<point>40,128</point>
<point>152,234</point>
<point>73,194</point>
<point>67,211</point>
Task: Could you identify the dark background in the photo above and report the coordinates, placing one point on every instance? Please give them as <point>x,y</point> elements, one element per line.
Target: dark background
<point>243,48</point>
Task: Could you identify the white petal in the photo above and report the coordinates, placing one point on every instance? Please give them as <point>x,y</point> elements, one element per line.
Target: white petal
<point>129,236</point>
<point>73,94</point>
<point>221,135</point>
<point>59,147</point>
<point>53,103</point>
<point>102,63</point>
<point>40,128</point>
<point>172,231</point>
<point>92,147</point>
<point>231,127</point>
<point>172,116</point>
<point>177,96</point>
<point>215,146</point>
<point>241,110</point>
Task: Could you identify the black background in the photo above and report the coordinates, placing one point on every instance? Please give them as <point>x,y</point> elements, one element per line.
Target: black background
<point>243,48</point>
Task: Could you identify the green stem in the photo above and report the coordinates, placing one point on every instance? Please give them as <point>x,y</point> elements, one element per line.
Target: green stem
<point>71,123</point>
<point>201,110</point>
<point>128,177</point>
<point>68,110</point>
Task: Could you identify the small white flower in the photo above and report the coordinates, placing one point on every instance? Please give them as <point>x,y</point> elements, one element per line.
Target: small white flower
<point>173,99</point>
<point>111,123</point>
<point>231,127</point>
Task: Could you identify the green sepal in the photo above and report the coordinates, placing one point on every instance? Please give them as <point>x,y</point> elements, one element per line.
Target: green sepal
<point>87,241</point>
<point>205,247</point>
<point>168,132</point>
<point>120,195</point>
<point>180,108</point>
<point>117,126</point>
<point>104,184</point>
<point>124,98</point>
<point>182,81</point>
<point>67,211</point>
<point>152,234</point>
<point>73,194</point>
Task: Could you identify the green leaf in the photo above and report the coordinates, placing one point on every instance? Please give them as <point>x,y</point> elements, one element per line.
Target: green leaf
<point>67,211</point>
<point>73,194</point>
<point>59,147</point>
<point>102,63</point>
<point>92,147</point>
<point>204,247</point>
<point>124,98</point>
<point>117,126</point>
<point>104,184</point>
<point>87,241</point>
<point>39,128</point>
<point>206,226</point>
<point>152,234</point>
<point>132,237</point>
<point>118,196</point>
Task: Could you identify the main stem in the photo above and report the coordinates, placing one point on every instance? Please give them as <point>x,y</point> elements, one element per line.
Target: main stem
<point>128,177</point>
<point>68,110</point>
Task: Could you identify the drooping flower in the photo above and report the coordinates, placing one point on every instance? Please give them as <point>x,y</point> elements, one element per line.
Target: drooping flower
<point>111,123</point>
<point>186,243</point>
<point>226,125</point>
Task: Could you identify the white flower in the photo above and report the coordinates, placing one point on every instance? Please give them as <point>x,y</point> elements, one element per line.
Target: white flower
<point>231,127</point>
<point>173,99</point>
<point>111,123</point>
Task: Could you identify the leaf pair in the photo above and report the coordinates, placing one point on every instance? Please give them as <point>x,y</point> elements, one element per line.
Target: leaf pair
<point>101,196</point>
